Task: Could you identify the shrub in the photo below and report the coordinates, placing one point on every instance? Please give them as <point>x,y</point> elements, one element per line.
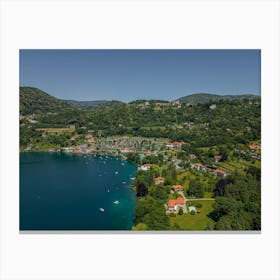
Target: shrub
<point>198,205</point>
<point>172,214</point>
<point>180,211</point>
<point>192,212</point>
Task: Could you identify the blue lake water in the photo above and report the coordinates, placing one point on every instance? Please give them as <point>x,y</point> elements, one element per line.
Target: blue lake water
<point>65,192</point>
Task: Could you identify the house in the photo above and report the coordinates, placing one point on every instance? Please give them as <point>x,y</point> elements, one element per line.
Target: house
<point>199,166</point>
<point>174,145</point>
<point>217,158</point>
<point>145,167</point>
<point>176,103</point>
<point>178,144</point>
<point>255,147</point>
<point>192,156</point>
<point>127,150</point>
<point>158,180</point>
<point>213,106</point>
<point>175,204</point>
<point>74,138</point>
<point>148,153</point>
<point>177,187</point>
<point>220,173</point>
<point>169,146</point>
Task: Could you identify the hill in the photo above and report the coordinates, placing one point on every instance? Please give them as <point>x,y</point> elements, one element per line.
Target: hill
<point>207,97</point>
<point>34,100</point>
<point>88,104</point>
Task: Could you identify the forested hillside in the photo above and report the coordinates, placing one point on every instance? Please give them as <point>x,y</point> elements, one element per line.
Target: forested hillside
<point>211,150</point>
<point>229,121</point>
<point>206,97</point>
<point>34,100</point>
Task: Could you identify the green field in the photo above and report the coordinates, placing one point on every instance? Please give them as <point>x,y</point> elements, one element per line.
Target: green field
<point>238,165</point>
<point>196,222</point>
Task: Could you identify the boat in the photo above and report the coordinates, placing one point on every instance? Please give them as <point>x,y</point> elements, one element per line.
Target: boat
<point>123,183</point>
<point>116,202</point>
<point>101,209</point>
<point>116,172</point>
<point>108,190</point>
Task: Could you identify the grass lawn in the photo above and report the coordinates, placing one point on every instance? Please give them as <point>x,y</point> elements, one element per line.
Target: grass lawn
<point>196,222</point>
<point>208,194</point>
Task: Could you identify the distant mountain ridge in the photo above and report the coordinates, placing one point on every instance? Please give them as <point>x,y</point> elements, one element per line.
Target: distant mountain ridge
<point>34,100</point>
<point>208,97</point>
<point>87,104</point>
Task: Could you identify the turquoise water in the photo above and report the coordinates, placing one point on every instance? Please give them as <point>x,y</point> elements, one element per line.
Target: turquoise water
<point>65,192</point>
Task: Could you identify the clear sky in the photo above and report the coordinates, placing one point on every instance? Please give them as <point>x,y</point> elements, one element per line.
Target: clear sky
<point>128,75</point>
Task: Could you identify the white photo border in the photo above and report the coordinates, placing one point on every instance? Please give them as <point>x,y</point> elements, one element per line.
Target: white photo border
<point>195,24</point>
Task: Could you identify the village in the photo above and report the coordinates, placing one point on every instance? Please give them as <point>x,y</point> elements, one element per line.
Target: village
<point>146,152</point>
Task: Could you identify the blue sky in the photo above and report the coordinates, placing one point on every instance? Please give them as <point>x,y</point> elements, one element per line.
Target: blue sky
<point>128,75</point>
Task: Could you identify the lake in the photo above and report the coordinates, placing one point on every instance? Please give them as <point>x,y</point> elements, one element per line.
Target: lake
<point>66,192</point>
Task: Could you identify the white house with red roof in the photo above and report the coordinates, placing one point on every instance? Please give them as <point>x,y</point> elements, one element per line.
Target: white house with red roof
<point>175,204</point>
<point>220,173</point>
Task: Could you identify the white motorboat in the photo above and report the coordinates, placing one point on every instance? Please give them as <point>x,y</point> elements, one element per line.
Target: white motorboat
<point>116,202</point>
<point>101,209</point>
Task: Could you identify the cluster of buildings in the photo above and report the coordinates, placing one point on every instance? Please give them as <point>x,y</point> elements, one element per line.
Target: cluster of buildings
<point>217,172</point>
<point>127,150</point>
<point>30,118</point>
<point>82,149</point>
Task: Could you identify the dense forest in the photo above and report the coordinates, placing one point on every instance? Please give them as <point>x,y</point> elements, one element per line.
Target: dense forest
<point>232,121</point>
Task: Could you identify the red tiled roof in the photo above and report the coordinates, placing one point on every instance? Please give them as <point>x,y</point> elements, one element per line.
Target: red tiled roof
<point>220,171</point>
<point>177,187</point>
<point>171,202</point>
<point>254,147</point>
<point>180,200</point>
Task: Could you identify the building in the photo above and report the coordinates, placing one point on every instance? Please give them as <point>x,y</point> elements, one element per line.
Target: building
<point>220,173</point>
<point>217,158</point>
<point>145,167</point>
<point>177,187</point>
<point>192,156</point>
<point>174,145</point>
<point>127,150</point>
<point>148,153</point>
<point>199,166</point>
<point>175,204</point>
<point>255,147</point>
<point>158,180</point>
